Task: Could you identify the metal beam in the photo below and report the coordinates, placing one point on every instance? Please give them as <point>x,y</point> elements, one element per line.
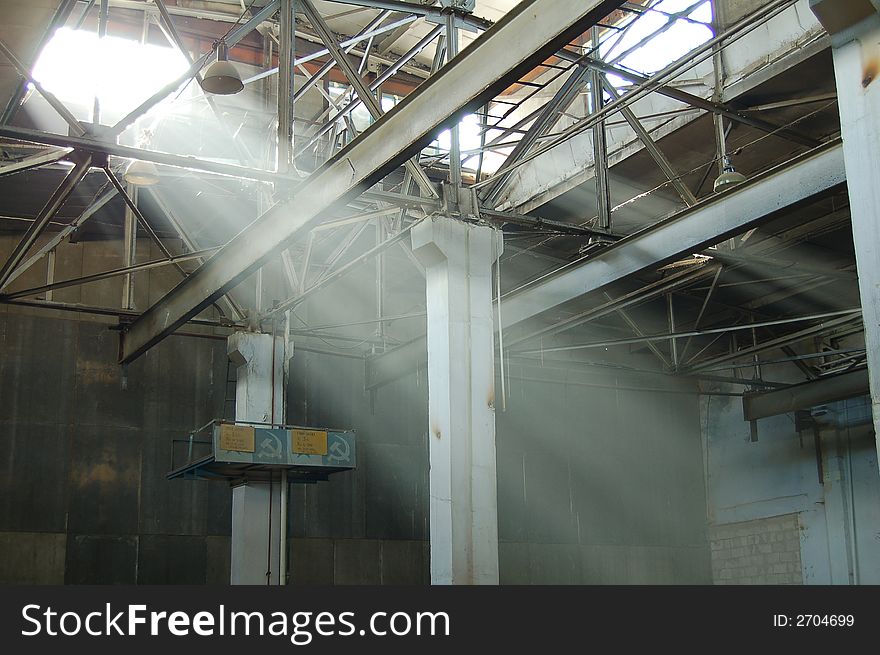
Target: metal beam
<point>672,335</point>
<point>427,10</point>
<point>59,236</point>
<point>702,103</point>
<point>231,39</point>
<point>174,38</point>
<point>363,91</point>
<point>826,327</point>
<point>546,119</point>
<point>387,74</point>
<point>106,275</point>
<point>286,73</point>
<point>806,395</point>
<point>62,193</point>
<point>651,146</point>
<point>53,101</point>
<point>96,146</point>
<point>690,231</point>
<point>33,161</point>
<point>58,19</point>
<point>529,33</point>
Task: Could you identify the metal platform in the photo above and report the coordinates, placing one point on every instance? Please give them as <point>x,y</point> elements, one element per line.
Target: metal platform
<point>240,452</point>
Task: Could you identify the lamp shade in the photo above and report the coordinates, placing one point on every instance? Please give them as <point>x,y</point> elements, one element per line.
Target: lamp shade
<point>141,173</point>
<point>729,177</point>
<point>222,78</point>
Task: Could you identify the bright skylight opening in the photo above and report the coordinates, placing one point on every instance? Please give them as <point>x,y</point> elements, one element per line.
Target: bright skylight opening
<point>677,40</point>
<point>76,66</point>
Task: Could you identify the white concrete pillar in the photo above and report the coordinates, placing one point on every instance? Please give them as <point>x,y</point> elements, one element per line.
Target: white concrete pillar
<point>256,507</point>
<point>458,258</point>
<point>855,31</point>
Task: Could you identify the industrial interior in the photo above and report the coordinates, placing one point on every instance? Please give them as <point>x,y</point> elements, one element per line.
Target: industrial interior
<point>313,292</point>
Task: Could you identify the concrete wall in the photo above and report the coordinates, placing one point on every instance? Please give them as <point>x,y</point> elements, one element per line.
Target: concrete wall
<point>779,475</point>
<point>83,497</point>
<point>599,479</point>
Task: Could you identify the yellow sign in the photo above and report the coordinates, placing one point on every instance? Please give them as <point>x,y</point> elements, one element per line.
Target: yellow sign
<point>239,438</point>
<point>308,442</point>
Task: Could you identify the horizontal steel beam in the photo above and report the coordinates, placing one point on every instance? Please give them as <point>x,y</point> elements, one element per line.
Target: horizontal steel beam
<point>806,395</point>
<point>96,146</point>
<point>690,231</point>
<point>33,161</point>
<point>527,35</point>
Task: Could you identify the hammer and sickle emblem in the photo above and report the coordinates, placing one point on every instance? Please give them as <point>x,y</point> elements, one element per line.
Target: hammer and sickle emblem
<point>340,451</point>
<point>270,447</point>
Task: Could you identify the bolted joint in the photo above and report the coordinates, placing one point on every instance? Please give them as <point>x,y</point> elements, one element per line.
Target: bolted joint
<point>466,6</point>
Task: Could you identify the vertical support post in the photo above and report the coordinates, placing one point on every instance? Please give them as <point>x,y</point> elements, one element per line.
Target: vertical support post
<point>673,345</point>
<point>102,32</point>
<point>380,280</point>
<point>256,534</point>
<point>129,255</point>
<point>600,145</point>
<point>719,23</point>
<point>458,258</point>
<point>282,527</point>
<point>285,485</point>
<point>455,130</point>
<point>50,272</point>
<point>286,74</point>
<point>855,34</point>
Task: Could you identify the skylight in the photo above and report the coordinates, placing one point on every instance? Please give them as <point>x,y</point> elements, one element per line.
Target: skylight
<point>76,66</point>
<point>682,36</point>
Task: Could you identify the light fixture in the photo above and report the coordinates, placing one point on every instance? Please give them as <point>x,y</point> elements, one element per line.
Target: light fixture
<point>730,177</point>
<point>222,78</point>
<point>141,173</point>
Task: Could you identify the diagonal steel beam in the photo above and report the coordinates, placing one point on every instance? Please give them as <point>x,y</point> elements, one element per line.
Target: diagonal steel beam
<point>96,146</point>
<point>33,161</point>
<point>381,79</point>
<point>231,39</point>
<point>53,101</point>
<point>233,310</point>
<point>59,236</point>
<point>327,66</point>
<point>849,318</point>
<point>174,38</point>
<point>690,231</point>
<point>363,91</point>
<point>62,193</point>
<point>652,147</point>
<point>132,205</point>
<point>529,33</point>
<point>645,293</point>
<point>58,19</point>
<point>106,275</point>
<point>701,103</point>
<point>545,120</point>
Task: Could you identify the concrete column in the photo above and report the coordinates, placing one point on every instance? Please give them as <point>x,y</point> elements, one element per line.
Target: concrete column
<point>855,32</point>
<point>458,258</point>
<point>256,507</point>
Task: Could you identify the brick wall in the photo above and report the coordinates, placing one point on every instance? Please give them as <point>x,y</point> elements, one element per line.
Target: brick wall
<point>764,551</point>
